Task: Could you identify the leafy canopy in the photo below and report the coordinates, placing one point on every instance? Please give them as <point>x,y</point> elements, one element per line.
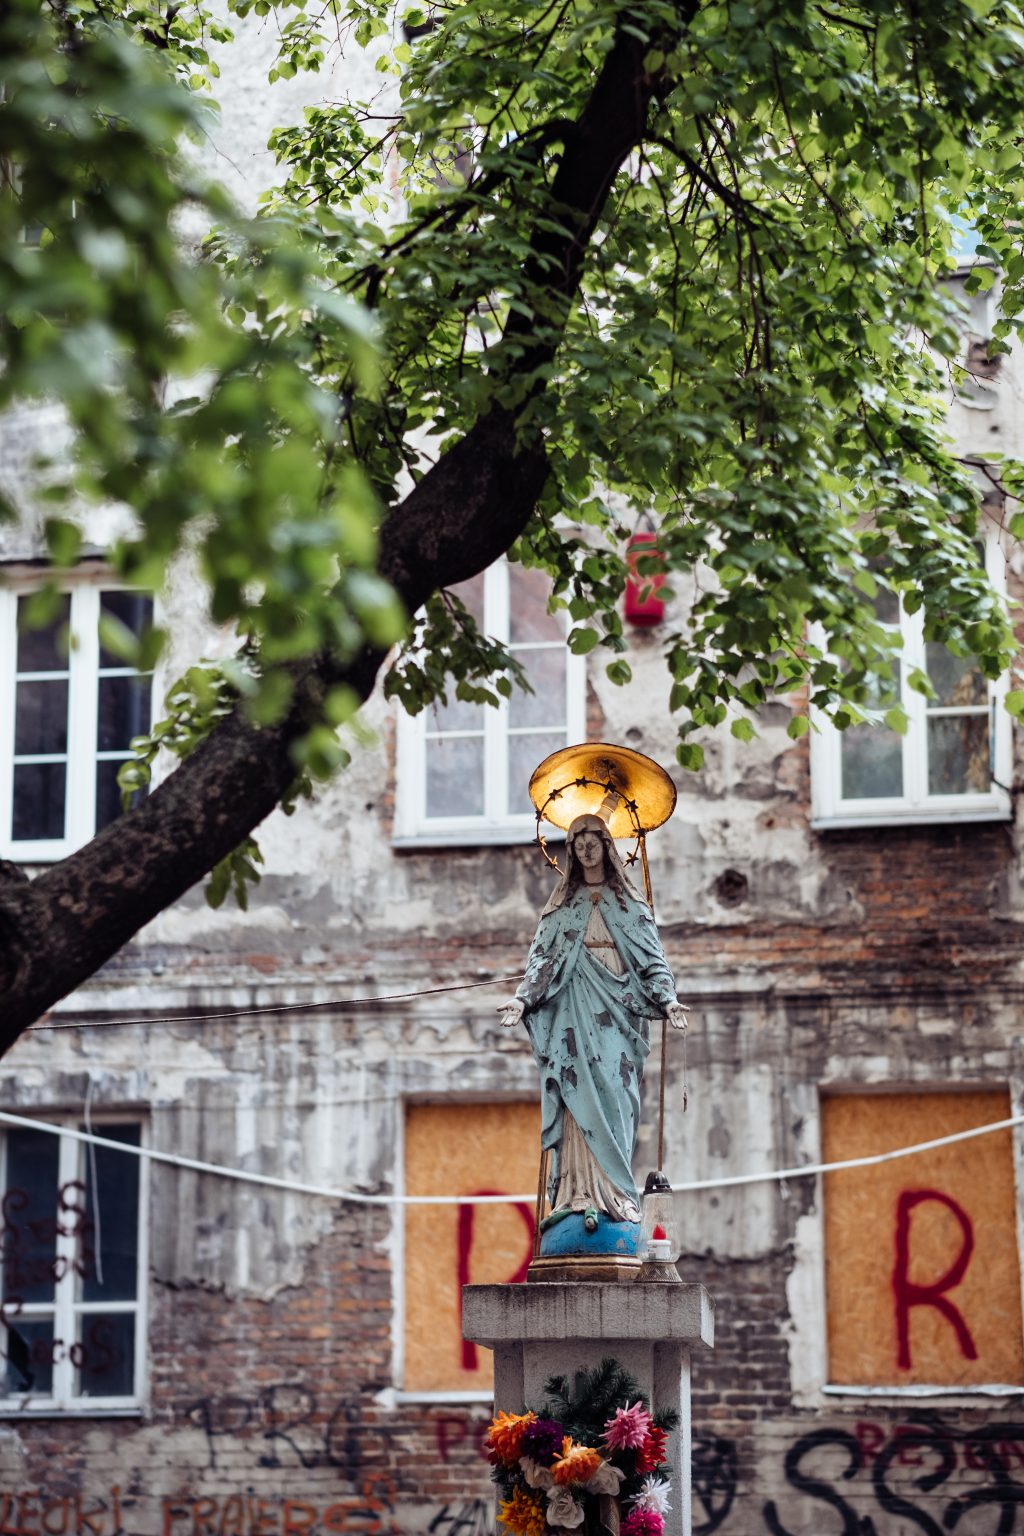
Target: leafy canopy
<point>192,388</point>
<point>758,352</point>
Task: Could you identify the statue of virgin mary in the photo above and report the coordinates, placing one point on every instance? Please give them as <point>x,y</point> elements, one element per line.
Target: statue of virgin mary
<point>596,976</point>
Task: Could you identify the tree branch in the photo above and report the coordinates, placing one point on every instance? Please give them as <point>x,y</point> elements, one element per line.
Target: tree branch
<point>56,930</point>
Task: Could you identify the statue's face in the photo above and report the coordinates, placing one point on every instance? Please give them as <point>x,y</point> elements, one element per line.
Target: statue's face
<point>589,849</point>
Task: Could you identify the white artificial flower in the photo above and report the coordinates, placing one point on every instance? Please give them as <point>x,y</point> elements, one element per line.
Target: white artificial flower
<point>563,1509</point>
<point>536,1475</point>
<point>606,1479</point>
<point>653,1495</point>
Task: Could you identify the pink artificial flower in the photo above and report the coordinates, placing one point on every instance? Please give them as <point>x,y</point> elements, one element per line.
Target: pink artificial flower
<point>627,1429</point>
<point>642,1522</point>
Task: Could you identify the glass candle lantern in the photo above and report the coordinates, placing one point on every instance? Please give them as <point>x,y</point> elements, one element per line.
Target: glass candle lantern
<point>659,1246</point>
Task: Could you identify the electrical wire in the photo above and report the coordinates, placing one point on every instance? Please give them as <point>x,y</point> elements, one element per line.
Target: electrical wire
<point>244,1013</point>
<point>353,1197</point>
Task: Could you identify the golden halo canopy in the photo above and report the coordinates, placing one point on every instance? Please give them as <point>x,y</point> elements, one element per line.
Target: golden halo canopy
<point>630,792</point>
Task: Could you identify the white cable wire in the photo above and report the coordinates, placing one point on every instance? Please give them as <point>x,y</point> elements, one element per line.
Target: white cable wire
<point>94,1183</point>
<point>326,1192</point>
<point>807,1170</point>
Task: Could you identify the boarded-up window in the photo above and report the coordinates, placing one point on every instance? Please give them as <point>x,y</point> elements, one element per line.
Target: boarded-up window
<point>922,1268</point>
<point>462,1149</point>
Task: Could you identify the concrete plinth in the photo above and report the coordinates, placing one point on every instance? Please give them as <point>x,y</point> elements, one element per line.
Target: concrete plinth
<point>539,1331</point>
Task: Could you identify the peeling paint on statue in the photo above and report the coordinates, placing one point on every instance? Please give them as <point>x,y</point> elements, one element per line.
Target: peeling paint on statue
<point>595,977</point>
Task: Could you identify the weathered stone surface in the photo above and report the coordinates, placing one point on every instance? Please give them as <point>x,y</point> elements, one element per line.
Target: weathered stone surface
<point>538,1331</point>
<point>498,1314</point>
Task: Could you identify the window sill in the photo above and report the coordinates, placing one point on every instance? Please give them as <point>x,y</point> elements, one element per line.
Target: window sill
<point>479,1395</point>
<point>30,855</point>
<point>11,1408</point>
<point>847,821</point>
<point>984,1389</point>
<point>482,836</point>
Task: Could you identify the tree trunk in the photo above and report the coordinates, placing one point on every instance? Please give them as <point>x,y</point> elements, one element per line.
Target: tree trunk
<point>56,930</point>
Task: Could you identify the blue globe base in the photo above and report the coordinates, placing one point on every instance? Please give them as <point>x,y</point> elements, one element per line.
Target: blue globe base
<point>569,1238</point>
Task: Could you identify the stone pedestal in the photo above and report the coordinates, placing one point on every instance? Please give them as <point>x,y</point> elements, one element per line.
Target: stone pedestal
<point>539,1331</point>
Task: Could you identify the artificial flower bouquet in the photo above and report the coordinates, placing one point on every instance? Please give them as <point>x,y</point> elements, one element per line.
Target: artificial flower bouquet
<point>590,1461</point>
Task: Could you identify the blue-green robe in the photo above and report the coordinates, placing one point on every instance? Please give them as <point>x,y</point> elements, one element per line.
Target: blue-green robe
<point>590,1029</point>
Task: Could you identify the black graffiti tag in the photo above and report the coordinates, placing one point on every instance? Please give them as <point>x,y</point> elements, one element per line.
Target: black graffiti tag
<point>816,1488</point>
<point>713,1476</point>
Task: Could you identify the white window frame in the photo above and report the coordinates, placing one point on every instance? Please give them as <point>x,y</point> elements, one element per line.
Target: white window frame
<point>413,827</point>
<point>82,672</point>
<point>66,1304</point>
<point>828,807</point>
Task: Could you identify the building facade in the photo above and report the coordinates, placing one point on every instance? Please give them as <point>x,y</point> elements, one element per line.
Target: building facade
<point>251,1331</point>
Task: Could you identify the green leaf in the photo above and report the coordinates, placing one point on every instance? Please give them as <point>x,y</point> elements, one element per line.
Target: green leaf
<point>64,541</point>
<point>743,729</point>
<point>798,726</point>
<point>581,641</point>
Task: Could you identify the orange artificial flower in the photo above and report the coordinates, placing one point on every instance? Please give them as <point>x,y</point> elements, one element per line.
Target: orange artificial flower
<point>576,1464</point>
<point>522,1514</point>
<point>505,1437</point>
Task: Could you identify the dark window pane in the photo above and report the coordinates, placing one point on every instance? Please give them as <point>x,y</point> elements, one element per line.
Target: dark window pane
<point>958,755</point>
<point>105,1354</point>
<point>38,801</point>
<point>123,711</point>
<point>871,759</point>
<point>41,717</point>
<point>528,607</point>
<point>108,792</point>
<point>524,754</point>
<point>955,679</point>
<point>132,609</point>
<point>455,776</point>
<point>44,650</point>
<point>545,706</point>
<point>28,1356</point>
<point>116,1235</point>
<point>29,1235</point>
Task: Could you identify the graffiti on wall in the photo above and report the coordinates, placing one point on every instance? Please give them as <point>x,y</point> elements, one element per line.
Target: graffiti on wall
<point>909,1293</point>
<point>371,1512</point>
<point>872,1473</point>
<point>29,1261</point>
<point>860,1478</point>
<point>464,1149</point>
<point>35,1511</point>
<point>932,1297</point>
<point>867,1480</point>
<point>290,1423</point>
<point>713,1478</point>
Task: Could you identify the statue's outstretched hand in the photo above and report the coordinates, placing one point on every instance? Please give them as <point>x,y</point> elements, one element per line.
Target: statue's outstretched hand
<point>676,1015</point>
<point>511,1013</point>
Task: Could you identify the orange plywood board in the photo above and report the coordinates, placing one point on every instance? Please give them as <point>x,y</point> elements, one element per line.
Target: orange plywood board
<point>462,1149</point>
<point>921,1262</point>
